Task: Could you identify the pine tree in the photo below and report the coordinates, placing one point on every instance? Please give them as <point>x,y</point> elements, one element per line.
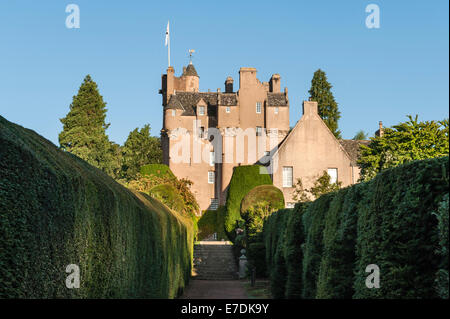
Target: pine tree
<point>328,109</point>
<point>84,129</point>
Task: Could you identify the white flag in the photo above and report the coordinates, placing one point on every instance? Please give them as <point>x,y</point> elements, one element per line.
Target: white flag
<point>167,34</point>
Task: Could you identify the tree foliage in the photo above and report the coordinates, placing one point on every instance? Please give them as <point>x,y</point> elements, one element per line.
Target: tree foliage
<point>405,142</point>
<point>320,92</point>
<point>321,186</point>
<point>360,136</point>
<point>140,149</point>
<point>84,129</point>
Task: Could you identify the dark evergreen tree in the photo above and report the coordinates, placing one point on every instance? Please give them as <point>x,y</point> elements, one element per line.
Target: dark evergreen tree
<point>84,131</point>
<point>140,149</point>
<point>328,109</point>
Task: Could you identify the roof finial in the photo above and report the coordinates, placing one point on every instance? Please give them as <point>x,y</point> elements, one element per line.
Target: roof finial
<point>190,55</point>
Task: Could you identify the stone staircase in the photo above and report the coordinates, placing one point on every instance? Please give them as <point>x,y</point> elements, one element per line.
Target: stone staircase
<point>214,260</point>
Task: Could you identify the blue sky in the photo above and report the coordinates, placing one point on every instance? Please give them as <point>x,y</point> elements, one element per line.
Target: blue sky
<point>377,74</point>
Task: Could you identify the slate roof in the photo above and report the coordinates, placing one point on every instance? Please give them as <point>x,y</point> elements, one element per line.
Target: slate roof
<point>228,99</point>
<point>174,103</point>
<point>190,70</point>
<point>352,148</point>
<point>276,99</point>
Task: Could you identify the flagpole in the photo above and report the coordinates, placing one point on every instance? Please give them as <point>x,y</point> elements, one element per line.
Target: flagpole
<point>168,43</point>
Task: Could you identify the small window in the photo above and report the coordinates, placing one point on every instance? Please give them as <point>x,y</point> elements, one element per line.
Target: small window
<point>201,110</point>
<point>228,109</point>
<point>212,159</point>
<point>333,172</point>
<point>267,153</point>
<point>211,176</point>
<point>290,205</point>
<point>287,176</point>
<point>201,132</point>
<point>258,131</point>
<point>174,112</point>
<point>258,107</point>
<point>276,110</point>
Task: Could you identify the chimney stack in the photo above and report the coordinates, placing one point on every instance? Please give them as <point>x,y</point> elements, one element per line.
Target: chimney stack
<point>310,107</point>
<point>229,85</point>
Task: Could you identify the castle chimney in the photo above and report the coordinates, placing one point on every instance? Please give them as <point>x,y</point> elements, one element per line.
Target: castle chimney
<point>229,85</point>
<point>274,83</point>
<point>380,131</point>
<point>310,107</point>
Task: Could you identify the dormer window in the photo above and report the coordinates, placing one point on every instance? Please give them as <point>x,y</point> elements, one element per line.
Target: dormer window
<point>201,110</point>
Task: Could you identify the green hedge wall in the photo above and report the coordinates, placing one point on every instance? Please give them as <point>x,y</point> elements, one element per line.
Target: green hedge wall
<point>397,230</point>
<point>56,210</point>
<point>398,221</point>
<point>313,226</point>
<point>212,221</point>
<point>243,180</point>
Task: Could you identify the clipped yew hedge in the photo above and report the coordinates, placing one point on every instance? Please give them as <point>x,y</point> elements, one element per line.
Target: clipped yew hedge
<point>56,210</point>
<point>243,180</point>
<point>212,221</point>
<point>398,221</point>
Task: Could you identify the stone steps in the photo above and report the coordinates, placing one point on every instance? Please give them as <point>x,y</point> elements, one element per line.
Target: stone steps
<point>214,261</point>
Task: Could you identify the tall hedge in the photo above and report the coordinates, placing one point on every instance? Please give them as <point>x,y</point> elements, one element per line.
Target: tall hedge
<point>294,241</point>
<point>274,237</point>
<point>442,281</point>
<point>398,221</point>
<point>244,178</point>
<point>313,223</point>
<point>397,230</point>
<point>56,210</point>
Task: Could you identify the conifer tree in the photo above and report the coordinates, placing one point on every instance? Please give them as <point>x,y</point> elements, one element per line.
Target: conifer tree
<point>84,129</point>
<point>328,109</point>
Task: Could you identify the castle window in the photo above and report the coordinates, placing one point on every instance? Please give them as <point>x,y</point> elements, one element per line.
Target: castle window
<point>201,110</point>
<point>211,176</point>
<point>212,159</point>
<point>276,110</point>
<point>287,176</point>
<point>228,109</point>
<point>258,131</point>
<point>267,153</point>
<point>174,112</point>
<point>333,172</point>
<point>201,132</point>
<point>258,107</point>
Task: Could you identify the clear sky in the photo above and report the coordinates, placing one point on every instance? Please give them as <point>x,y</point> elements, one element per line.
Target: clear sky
<point>377,74</point>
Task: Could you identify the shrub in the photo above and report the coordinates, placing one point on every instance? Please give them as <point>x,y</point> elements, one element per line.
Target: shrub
<point>244,179</point>
<point>167,194</point>
<point>313,223</point>
<point>56,210</point>
<point>263,193</point>
<point>160,170</point>
<point>397,230</point>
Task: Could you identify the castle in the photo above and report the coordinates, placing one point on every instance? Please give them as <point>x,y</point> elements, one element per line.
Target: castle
<point>206,134</point>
